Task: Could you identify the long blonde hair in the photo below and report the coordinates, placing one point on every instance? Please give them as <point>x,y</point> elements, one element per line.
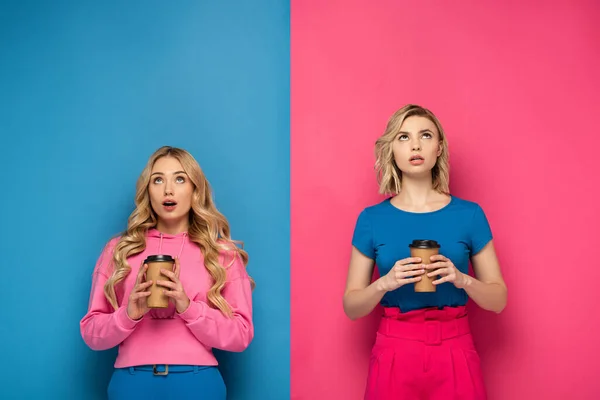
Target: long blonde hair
<point>389,176</point>
<point>208,228</point>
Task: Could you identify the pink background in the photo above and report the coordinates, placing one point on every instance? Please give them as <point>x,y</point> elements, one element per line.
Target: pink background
<point>516,87</point>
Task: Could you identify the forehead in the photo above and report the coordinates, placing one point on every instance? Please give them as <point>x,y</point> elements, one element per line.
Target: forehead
<point>416,123</point>
<point>167,165</point>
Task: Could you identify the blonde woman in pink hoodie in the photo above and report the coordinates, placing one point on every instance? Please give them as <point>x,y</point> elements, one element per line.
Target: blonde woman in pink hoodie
<point>167,353</point>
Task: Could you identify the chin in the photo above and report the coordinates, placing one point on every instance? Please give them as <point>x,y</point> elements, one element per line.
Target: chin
<point>172,218</point>
<point>416,173</point>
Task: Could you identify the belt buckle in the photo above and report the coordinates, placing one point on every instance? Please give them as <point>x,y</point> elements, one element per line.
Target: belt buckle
<point>433,333</point>
<point>161,373</point>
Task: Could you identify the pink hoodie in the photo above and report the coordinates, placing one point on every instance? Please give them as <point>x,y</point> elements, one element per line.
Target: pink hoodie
<point>163,336</point>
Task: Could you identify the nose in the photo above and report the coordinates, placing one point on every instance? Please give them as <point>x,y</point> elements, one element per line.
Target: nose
<point>168,189</point>
<point>416,145</point>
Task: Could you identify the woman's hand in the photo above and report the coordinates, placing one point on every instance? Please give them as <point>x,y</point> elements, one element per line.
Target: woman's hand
<point>442,266</point>
<point>403,272</point>
<point>175,292</point>
<point>137,306</point>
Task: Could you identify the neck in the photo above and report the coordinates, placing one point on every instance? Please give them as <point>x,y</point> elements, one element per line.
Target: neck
<point>173,228</point>
<point>416,192</point>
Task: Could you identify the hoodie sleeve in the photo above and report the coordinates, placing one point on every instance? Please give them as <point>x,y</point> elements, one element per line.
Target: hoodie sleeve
<point>213,328</point>
<point>102,327</point>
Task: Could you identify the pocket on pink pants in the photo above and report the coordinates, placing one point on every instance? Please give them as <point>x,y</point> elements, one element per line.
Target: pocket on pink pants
<point>468,375</point>
<point>379,380</point>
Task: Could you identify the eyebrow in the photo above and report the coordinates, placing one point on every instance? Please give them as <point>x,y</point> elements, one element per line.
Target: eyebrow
<point>421,131</point>
<point>174,173</point>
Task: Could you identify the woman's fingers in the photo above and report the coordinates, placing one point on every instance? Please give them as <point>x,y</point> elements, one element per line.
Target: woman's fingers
<point>439,257</point>
<point>441,271</point>
<point>177,267</point>
<point>142,286</point>
<point>439,264</point>
<point>411,280</point>
<point>447,278</point>
<point>168,284</point>
<point>406,261</point>
<point>145,285</point>
<point>408,267</point>
<point>409,273</point>
<point>141,273</point>
<point>170,274</point>
<point>139,295</point>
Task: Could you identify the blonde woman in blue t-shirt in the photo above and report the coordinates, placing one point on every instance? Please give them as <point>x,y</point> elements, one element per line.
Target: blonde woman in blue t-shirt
<point>424,348</point>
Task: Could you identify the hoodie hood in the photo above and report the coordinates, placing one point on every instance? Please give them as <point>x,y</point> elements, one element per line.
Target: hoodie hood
<point>182,237</point>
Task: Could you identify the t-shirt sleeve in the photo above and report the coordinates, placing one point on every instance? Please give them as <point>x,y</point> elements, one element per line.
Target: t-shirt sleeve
<point>363,235</point>
<point>481,233</point>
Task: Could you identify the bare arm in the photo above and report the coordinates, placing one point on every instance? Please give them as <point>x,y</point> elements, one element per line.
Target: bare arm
<point>488,289</point>
<point>362,296</point>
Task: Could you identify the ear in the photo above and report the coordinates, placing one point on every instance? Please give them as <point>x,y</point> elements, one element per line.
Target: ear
<point>439,152</point>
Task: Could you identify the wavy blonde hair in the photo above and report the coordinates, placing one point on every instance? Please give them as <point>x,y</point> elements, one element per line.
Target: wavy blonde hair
<point>208,228</point>
<point>389,176</point>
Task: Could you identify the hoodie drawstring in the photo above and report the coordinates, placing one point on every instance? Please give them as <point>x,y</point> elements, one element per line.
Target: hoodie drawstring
<point>183,237</point>
<point>182,244</point>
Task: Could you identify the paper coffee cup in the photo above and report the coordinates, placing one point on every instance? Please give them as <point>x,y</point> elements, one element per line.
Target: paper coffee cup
<point>424,249</point>
<point>155,263</point>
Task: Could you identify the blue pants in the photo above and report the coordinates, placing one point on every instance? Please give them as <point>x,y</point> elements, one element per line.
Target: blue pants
<point>182,382</point>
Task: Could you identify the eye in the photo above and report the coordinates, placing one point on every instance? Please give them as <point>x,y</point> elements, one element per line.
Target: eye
<point>403,137</point>
<point>180,179</point>
<point>427,136</point>
<point>157,180</point>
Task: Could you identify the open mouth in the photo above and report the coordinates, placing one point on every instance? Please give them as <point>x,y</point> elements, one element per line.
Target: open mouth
<point>169,203</point>
<point>416,158</point>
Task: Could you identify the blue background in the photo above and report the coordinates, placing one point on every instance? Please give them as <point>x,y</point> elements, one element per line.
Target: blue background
<point>88,90</point>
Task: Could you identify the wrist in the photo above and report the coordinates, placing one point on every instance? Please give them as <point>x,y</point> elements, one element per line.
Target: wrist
<point>466,280</point>
<point>137,318</point>
<point>124,320</point>
<point>380,286</point>
<point>184,306</point>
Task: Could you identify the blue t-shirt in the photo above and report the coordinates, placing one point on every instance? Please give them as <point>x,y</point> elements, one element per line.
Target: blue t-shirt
<point>383,233</point>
